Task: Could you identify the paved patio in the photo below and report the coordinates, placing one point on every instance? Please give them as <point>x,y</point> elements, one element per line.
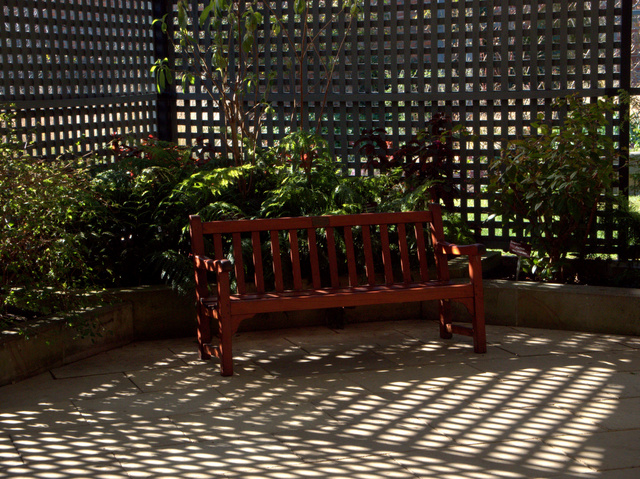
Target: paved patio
<point>372,401</point>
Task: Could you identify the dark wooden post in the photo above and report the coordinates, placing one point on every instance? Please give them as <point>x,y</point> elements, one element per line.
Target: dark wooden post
<point>166,105</point>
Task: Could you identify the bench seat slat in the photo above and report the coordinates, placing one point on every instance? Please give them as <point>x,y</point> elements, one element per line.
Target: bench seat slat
<point>346,297</point>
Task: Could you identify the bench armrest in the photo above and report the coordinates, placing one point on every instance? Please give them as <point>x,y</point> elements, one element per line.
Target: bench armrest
<point>461,250</point>
<point>217,266</point>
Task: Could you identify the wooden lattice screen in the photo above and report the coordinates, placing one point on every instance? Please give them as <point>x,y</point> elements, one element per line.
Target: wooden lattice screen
<point>492,66</point>
<point>78,71</point>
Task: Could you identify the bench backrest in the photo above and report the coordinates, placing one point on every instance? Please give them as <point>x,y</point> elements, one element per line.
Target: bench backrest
<point>315,252</point>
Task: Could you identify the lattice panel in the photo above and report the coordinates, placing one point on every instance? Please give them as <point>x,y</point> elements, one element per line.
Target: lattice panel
<point>78,69</point>
<point>492,66</point>
<point>80,129</point>
<point>635,44</point>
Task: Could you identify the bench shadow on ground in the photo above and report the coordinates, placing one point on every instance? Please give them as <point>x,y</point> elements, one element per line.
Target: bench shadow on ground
<point>374,401</point>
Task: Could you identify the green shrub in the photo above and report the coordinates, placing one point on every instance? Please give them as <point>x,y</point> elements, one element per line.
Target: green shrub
<point>132,223</point>
<point>634,123</point>
<point>43,205</point>
<point>553,183</point>
<point>125,222</point>
<point>426,161</point>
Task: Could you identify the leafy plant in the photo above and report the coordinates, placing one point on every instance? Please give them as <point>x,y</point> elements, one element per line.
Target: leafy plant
<point>231,69</point>
<point>43,256</point>
<point>634,123</point>
<point>426,160</point>
<point>139,228</point>
<point>552,183</point>
<point>304,176</point>
<point>626,218</point>
<point>133,220</point>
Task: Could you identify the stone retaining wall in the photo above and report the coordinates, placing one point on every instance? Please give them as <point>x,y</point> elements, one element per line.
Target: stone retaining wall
<point>158,312</point>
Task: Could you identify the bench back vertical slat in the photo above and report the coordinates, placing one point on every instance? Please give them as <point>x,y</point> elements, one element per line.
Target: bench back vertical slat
<point>277,261</point>
<point>422,252</point>
<point>257,261</point>
<point>239,263</point>
<point>436,225</point>
<point>368,254</point>
<point>437,234</point>
<point>333,260</point>
<point>313,257</point>
<point>403,245</point>
<point>351,258</point>
<point>386,253</point>
<point>197,246</point>
<point>295,260</point>
<point>358,245</point>
<point>196,234</point>
<point>217,246</point>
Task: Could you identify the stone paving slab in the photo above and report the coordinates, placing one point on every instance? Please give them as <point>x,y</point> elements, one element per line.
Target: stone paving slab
<point>371,401</point>
<point>149,355</point>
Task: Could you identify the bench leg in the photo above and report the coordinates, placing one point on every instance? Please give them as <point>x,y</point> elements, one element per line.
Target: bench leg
<point>445,319</point>
<point>225,348</point>
<point>479,332</point>
<point>204,332</point>
<point>204,352</point>
<point>335,318</point>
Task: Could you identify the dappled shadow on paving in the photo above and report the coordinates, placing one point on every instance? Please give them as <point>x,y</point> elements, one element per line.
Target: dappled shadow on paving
<point>374,401</point>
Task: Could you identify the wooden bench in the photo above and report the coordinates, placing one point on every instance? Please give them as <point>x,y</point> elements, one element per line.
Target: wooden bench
<point>288,264</point>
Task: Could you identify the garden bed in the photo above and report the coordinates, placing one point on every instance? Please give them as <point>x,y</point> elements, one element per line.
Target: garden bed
<point>150,312</point>
<point>594,309</point>
<point>589,272</point>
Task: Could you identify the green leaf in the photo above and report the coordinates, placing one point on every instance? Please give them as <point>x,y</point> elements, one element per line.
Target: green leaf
<point>247,43</point>
<point>182,15</point>
<point>161,81</point>
<point>275,26</point>
<point>206,12</point>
